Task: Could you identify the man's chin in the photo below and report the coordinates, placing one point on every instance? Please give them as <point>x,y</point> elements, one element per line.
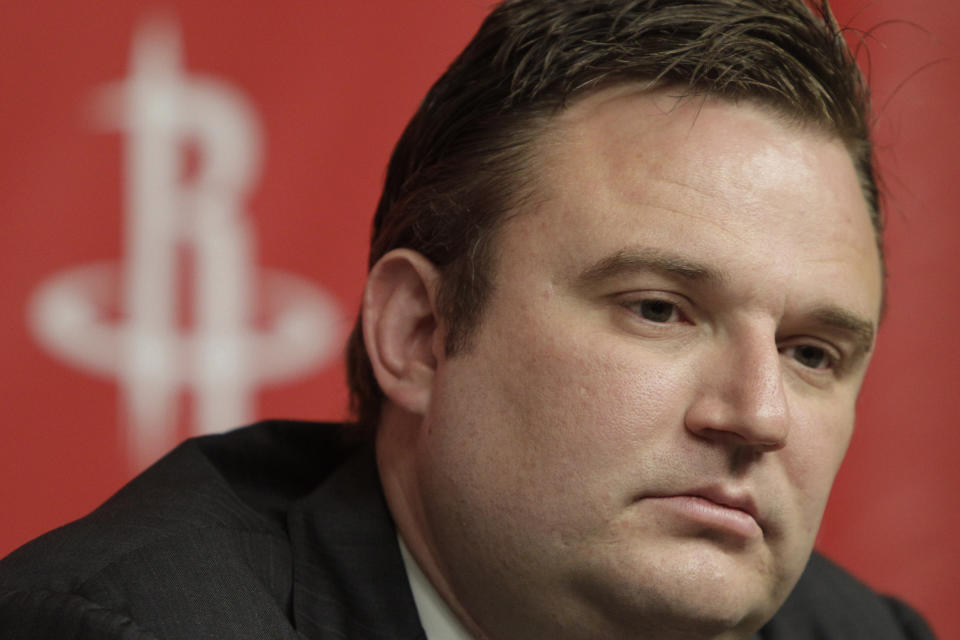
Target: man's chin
<point>701,590</point>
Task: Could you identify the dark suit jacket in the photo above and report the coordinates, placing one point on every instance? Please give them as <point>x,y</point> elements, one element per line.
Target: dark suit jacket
<point>280,531</point>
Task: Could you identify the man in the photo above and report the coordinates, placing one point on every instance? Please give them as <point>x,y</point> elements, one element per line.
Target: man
<point>625,278</point>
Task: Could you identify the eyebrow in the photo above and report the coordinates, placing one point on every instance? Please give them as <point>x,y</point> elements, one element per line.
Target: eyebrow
<point>862,329</point>
<point>628,261</point>
<point>639,260</point>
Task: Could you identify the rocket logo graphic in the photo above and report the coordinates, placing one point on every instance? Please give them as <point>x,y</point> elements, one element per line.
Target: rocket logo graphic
<point>188,253</point>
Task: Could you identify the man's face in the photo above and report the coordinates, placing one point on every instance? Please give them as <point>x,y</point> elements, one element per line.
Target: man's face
<point>645,430</point>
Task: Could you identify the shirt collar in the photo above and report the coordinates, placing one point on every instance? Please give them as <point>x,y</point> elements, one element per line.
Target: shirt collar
<point>437,620</point>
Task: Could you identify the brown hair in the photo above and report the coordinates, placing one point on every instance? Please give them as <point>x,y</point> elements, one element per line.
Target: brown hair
<point>462,161</point>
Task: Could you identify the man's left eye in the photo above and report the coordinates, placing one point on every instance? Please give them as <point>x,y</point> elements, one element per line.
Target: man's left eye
<point>810,356</point>
<point>658,310</point>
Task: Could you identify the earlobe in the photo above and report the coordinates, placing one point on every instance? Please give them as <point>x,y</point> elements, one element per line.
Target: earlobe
<point>400,327</point>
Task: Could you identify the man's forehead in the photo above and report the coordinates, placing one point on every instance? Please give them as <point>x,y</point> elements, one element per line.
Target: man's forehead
<point>640,108</point>
<point>632,118</point>
<point>707,162</point>
<point>630,134</point>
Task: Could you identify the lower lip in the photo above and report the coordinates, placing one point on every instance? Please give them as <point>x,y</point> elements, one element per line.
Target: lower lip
<point>711,515</point>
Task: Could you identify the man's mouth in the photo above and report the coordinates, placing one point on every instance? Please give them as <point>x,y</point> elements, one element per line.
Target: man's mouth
<point>715,508</point>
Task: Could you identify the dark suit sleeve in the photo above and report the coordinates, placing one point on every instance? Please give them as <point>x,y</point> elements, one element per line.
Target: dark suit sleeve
<point>913,625</point>
<point>47,615</point>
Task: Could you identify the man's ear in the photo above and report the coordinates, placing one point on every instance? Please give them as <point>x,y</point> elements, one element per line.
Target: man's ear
<point>401,329</point>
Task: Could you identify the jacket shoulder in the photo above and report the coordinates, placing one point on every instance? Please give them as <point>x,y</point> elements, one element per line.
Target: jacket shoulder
<point>201,535</point>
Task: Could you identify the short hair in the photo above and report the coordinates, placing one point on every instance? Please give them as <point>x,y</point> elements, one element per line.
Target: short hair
<point>463,160</point>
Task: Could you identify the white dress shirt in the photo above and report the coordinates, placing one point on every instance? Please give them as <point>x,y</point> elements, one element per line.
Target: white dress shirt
<point>437,620</point>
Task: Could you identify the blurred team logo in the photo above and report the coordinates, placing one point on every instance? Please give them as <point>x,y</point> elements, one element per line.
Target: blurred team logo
<point>187,309</point>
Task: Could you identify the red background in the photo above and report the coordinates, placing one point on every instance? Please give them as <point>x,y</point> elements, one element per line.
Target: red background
<point>333,84</point>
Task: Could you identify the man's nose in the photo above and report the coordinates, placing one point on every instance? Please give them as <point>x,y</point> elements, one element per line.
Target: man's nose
<point>740,398</point>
